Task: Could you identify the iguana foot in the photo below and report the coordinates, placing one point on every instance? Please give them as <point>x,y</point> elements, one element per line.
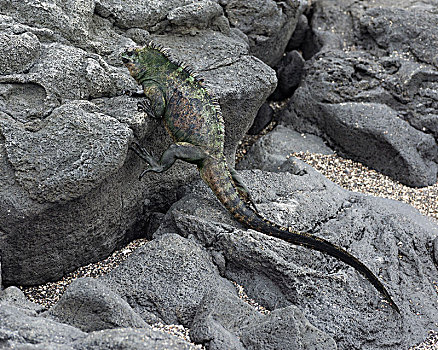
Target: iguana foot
<point>144,154</point>
<point>179,150</point>
<point>242,189</point>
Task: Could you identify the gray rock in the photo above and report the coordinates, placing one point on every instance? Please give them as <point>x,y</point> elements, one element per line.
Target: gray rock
<point>69,18</point>
<point>166,279</point>
<point>275,148</point>
<point>392,23</point>
<point>263,118</point>
<point>389,237</point>
<point>78,150</point>
<point>361,118</point>
<point>218,318</point>
<point>42,347</point>
<point>135,339</point>
<point>13,296</point>
<point>132,14</point>
<point>403,30</point>
<point>285,328</point>
<point>56,195</point>
<point>299,35</point>
<point>68,72</point>
<point>26,102</point>
<point>11,27</point>
<point>92,146</point>
<point>90,306</point>
<point>435,249</point>
<point>231,103</point>
<point>368,55</point>
<point>224,321</point>
<point>124,109</point>
<point>311,337</point>
<point>396,148</point>
<point>197,16</point>
<point>74,233</point>
<point>268,25</point>
<point>328,16</point>
<point>24,330</point>
<point>21,330</point>
<point>18,52</point>
<point>289,73</point>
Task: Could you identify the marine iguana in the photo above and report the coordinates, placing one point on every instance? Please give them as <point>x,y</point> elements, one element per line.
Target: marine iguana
<point>192,116</point>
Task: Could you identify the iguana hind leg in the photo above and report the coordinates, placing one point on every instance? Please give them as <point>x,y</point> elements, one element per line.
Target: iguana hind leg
<point>242,189</point>
<point>144,154</point>
<point>180,150</point>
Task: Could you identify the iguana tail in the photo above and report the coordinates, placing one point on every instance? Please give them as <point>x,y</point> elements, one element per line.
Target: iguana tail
<point>217,175</point>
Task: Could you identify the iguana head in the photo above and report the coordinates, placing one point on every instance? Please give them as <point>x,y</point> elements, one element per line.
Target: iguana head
<point>145,63</point>
<point>131,60</point>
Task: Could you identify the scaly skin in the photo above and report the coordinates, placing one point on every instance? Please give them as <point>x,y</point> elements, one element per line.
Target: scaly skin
<point>193,119</point>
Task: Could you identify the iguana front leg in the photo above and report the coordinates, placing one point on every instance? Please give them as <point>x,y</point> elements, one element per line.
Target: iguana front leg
<point>180,150</point>
<point>154,105</point>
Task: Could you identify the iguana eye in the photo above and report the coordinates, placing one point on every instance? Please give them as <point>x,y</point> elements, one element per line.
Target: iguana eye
<point>128,55</point>
<point>130,51</point>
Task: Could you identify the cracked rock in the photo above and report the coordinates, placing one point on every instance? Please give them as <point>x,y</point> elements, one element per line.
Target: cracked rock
<point>224,321</point>
<point>69,184</point>
<point>268,25</point>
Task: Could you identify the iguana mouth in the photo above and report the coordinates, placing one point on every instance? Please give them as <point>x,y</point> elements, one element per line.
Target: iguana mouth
<point>125,60</point>
<point>132,68</point>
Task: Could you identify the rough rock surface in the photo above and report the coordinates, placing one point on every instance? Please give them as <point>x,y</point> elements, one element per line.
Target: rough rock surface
<point>272,150</point>
<point>166,280</point>
<point>78,147</point>
<point>91,306</point>
<point>15,297</point>
<point>130,338</point>
<point>263,118</point>
<point>181,276</point>
<point>289,73</point>
<point>392,238</point>
<point>370,91</point>
<point>27,48</point>
<point>22,326</point>
<point>224,321</point>
<point>68,183</point>
<point>268,24</point>
<point>69,192</point>
<point>20,329</point>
